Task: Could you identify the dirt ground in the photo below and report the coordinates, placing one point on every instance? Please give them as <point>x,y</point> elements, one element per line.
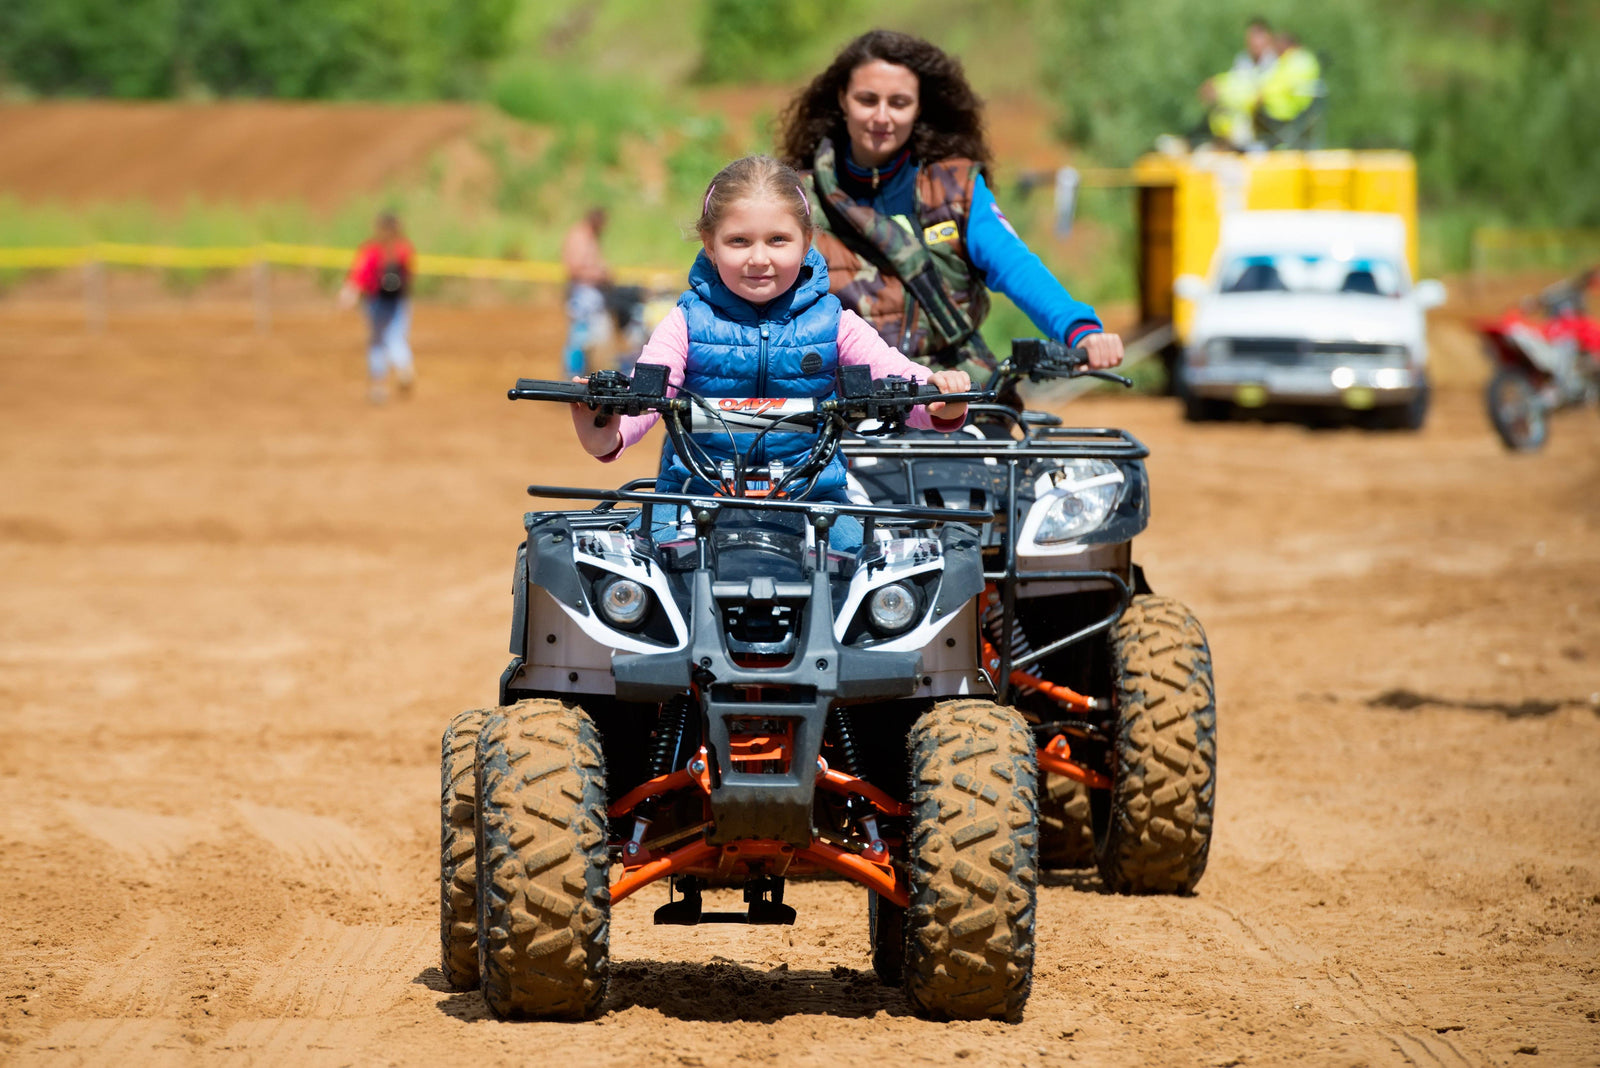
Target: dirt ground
<point>241,152</point>
<point>238,605</point>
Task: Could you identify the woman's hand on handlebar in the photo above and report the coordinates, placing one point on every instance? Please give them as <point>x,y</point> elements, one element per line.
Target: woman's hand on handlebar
<point>1104,350</point>
<point>600,435</point>
<point>949,382</point>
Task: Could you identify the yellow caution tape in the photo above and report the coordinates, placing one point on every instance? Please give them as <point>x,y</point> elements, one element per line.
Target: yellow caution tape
<point>310,256</point>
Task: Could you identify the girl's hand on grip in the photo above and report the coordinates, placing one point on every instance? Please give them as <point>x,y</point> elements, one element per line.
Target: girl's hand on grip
<point>600,435</point>
<point>949,382</point>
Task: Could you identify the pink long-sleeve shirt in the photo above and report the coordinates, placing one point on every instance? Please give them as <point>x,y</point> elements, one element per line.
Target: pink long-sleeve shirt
<point>858,344</point>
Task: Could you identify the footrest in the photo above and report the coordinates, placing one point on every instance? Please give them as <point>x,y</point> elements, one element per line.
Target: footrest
<point>686,914</point>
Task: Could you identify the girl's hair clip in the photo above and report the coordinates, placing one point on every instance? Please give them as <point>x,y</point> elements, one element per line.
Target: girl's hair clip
<point>706,207</point>
<point>801,190</point>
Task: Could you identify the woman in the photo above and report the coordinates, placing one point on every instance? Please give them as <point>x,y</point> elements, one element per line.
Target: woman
<point>891,139</point>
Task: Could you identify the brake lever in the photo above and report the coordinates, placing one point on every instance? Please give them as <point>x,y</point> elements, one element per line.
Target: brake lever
<point>1107,375</point>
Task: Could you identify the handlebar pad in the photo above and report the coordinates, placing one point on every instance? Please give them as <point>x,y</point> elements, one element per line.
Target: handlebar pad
<point>1033,355</point>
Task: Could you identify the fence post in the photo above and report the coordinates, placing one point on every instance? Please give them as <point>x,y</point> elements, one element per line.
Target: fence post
<point>263,290</point>
<point>94,295</point>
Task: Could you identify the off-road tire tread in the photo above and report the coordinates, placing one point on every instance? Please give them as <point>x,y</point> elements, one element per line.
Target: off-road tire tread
<point>458,862</point>
<point>1158,832</point>
<point>544,898</point>
<point>1066,830</point>
<point>1537,436</point>
<point>973,861</point>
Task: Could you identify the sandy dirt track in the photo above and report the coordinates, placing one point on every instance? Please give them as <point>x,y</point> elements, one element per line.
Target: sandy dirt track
<point>237,607</point>
<point>241,152</point>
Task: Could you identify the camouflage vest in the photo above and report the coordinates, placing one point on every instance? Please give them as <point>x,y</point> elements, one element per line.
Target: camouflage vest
<point>911,279</point>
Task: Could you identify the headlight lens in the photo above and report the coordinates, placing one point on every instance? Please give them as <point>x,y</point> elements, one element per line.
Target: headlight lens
<point>1085,492</point>
<point>623,602</point>
<point>892,608</point>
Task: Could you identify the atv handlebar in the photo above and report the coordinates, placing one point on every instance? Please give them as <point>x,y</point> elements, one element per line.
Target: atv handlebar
<point>1037,359</point>
<point>858,397</point>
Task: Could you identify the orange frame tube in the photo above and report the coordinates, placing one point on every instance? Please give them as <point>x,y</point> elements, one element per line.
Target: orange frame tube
<point>883,879</point>
<point>1056,758</point>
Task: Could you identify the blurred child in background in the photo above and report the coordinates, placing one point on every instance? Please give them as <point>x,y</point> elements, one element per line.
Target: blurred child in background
<point>588,278</point>
<point>381,279</point>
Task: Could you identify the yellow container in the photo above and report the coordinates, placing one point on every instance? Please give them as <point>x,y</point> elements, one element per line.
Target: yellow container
<point>1182,201</point>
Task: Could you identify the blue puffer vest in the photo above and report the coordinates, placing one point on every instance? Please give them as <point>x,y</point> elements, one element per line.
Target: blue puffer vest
<point>739,350</point>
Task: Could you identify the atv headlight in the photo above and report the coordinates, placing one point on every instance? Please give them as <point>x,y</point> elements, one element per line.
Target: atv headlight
<point>892,608</point>
<point>623,602</point>
<point>1082,495</point>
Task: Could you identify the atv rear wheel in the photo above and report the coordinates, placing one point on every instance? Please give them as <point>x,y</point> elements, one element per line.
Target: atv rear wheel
<point>886,929</point>
<point>1066,831</point>
<point>973,860</point>
<point>544,900</point>
<point>1153,828</point>
<point>458,864</point>
<point>1516,411</point>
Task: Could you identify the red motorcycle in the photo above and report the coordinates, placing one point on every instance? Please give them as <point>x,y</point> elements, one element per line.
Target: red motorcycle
<point>1546,353</point>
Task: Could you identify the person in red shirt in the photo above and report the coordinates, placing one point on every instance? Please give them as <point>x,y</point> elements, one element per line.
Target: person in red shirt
<point>381,279</point>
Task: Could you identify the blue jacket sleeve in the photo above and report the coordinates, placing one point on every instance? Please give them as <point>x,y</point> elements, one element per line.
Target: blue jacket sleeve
<point>1012,268</point>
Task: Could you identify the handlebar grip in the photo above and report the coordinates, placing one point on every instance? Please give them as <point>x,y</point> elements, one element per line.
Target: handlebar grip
<point>1034,352</point>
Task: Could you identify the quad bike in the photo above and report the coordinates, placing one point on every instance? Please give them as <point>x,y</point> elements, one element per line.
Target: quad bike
<point>704,691</point>
<point>1543,362</point>
<point>1114,680</point>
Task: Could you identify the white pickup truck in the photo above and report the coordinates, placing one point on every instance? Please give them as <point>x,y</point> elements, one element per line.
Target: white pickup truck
<point>1309,308</point>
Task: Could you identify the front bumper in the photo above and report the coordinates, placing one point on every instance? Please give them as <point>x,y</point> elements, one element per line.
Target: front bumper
<point>1253,384</point>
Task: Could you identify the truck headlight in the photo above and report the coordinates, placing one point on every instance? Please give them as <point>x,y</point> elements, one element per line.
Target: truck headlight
<point>623,602</point>
<point>892,608</point>
<point>1083,495</point>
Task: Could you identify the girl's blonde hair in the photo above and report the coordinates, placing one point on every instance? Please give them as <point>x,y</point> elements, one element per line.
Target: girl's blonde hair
<point>750,177</point>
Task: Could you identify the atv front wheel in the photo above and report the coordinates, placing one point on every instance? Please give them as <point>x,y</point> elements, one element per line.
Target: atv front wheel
<point>1153,828</point>
<point>544,900</point>
<point>973,862</point>
<point>1066,832</point>
<point>1516,411</point>
<point>458,864</point>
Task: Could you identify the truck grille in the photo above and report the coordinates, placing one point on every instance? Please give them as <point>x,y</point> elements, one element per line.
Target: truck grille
<point>1289,350</point>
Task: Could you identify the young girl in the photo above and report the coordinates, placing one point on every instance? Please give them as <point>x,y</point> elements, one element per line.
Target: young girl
<point>758,321</point>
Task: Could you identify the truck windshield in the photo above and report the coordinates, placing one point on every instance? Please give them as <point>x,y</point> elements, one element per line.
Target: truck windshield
<point>1311,274</point>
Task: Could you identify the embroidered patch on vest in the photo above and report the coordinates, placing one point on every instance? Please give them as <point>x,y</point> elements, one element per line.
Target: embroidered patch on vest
<point>811,363</point>
<point>939,233</point>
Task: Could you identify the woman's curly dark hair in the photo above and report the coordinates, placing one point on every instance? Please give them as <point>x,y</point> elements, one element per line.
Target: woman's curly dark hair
<point>949,125</point>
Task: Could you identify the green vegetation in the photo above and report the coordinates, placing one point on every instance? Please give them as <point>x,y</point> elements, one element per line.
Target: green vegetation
<point>300,49</point>
<point>1495,97</point>
<point>767,40</point>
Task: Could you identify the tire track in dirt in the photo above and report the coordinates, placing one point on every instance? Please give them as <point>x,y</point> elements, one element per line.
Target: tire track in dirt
<point>108,1041</point>
<point>1363,1002</point>
<point>338,971</point>
<point>148,839</point>
<point>325,849</point>
<point>178,981</point>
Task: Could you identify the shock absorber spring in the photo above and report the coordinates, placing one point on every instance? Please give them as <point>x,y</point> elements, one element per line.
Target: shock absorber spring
<point>849,760</point>
<point>993,625</point>
<point>669,735</point>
